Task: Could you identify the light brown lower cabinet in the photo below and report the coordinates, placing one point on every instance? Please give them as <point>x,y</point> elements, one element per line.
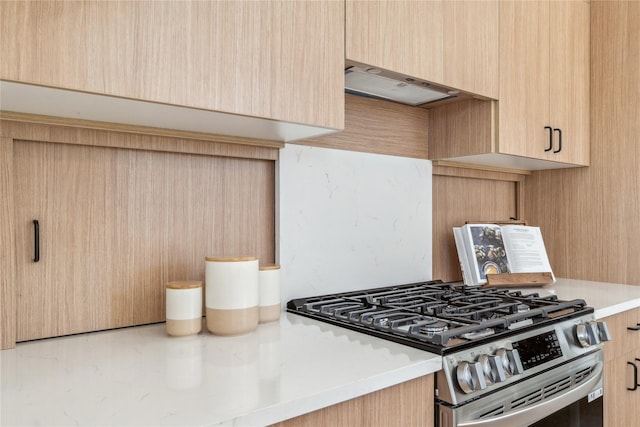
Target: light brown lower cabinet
<point>622,353</point>
<point>409,404</point>
<point>116,224</point>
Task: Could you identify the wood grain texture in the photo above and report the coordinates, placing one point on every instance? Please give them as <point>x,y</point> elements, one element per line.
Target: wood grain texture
<point>544,79</point>
<point>41,129</point>
<point>451,43</point>
<point>405,405</point>
<point>461,129</point>
<point>460,195</point>
<point>621,406</point>
<point>464,171</point>
<point>470,46</point>
<point>518,280</point>
<point>381,127</point>
<point>524,77</point>
<point>472,166</point>
<point>593,213</point>
<point>116,225</point>
<point>623,340</point>
<point>624,347</point>
<point>281,60</point>
<point>7,265</point>
<point>569,61</point>
<point>401,36</point>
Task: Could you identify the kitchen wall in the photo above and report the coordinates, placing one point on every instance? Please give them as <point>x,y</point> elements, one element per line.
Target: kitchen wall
<point>351,220</point>
<point>593,213</point>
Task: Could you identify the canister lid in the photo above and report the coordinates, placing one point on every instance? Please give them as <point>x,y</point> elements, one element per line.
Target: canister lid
<point>185,284</point>
<point>270,267</point>
<point>230,259</point>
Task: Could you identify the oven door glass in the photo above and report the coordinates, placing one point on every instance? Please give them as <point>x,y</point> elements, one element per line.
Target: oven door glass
<point>579,414</point>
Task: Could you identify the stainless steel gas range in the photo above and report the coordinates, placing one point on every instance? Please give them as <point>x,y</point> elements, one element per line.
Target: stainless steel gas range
<point>509,359</point>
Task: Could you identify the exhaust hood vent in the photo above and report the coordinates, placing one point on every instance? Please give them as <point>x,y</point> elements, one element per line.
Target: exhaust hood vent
<point>377,83</point>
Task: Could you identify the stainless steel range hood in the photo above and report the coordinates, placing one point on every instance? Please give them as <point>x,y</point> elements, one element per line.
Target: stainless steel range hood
<point>377,83</point>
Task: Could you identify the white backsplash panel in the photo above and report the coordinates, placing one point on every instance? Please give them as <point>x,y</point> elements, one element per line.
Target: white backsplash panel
<point>350,220</point>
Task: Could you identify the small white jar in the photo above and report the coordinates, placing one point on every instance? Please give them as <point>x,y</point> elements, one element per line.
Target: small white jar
<point>269,293</point>
<point>184,308</point>
<point>232,294</point>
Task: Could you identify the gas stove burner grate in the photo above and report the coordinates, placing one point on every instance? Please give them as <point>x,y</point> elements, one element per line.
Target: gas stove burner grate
<point>436,315</point>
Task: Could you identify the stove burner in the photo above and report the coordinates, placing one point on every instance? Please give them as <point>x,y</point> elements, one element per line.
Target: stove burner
<point>435,328</point>
<point>478,334</point>
<point>522,308</point>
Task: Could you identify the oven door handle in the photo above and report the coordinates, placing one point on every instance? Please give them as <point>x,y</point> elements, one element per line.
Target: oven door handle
<point>531,414</point>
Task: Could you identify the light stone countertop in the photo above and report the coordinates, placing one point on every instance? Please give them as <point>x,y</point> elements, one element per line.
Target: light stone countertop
<point>606,298</point>
<point>140,376</point>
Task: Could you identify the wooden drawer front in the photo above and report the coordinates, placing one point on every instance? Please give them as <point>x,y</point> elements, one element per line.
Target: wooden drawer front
<point>623,340</point>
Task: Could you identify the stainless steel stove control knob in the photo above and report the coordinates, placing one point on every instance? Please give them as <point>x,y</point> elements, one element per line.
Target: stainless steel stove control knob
<point>470,377</point>
<point>492,369</point>
<point>510,360</point>
<point>583,335</point>
<point>603,331</point>
<point>588,334</point>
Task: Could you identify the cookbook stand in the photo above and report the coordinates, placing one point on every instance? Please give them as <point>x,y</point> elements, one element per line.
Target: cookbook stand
<point>514,280</point>
<point>518,280</point>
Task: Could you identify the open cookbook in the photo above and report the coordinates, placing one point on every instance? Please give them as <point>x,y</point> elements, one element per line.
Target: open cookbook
<point>496,249</point>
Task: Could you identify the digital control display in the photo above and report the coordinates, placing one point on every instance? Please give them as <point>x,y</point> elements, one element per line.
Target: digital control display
<point>539,349</point>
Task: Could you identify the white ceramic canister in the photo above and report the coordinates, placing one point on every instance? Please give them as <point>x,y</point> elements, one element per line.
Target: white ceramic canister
<point>184,308</point>
<point>232,295</point>
<point>269,293</point>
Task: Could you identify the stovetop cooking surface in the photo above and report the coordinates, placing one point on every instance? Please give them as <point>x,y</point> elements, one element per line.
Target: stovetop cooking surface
<point>437,316</point>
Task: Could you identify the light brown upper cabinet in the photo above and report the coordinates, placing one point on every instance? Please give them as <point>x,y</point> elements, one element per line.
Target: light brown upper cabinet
<point>451,43</point>
<point>541,120</point>
<point>279,60</point>
<point>544,68</point>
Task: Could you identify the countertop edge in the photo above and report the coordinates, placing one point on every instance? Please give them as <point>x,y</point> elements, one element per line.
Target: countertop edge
<point>612,310</point>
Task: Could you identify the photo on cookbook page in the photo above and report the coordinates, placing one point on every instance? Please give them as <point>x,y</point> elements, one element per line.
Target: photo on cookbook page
<point>489,250</point>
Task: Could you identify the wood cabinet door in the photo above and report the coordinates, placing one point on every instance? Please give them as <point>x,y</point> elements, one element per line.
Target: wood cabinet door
<point>569,79</point>
<point>524,78</point>
<point>116,225</point>
<point>470,49</point>
<point>401,36</point>
<point>621,406</point>
<point>282,60</point>
<point>445,42</point>
<point>623,339</point>
<point>544,80</point>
